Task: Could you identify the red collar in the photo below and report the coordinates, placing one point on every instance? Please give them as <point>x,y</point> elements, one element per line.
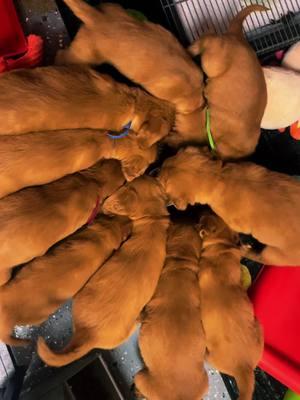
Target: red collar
<point>94,212</point>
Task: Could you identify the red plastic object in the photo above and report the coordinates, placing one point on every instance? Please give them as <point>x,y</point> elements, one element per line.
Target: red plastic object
<point>276,298</point>
<point>31,59</point>
<point>12,39</point>
<point>15,50</point>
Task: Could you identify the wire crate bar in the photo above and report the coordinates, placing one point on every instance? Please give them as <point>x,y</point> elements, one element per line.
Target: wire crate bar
<point>269,31</point>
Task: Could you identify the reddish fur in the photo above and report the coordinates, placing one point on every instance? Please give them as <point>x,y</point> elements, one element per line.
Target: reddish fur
<point>234,338</point>
<point>235,93</point>
<point>171,325</point>
<point>245,196</point>
<point>77,97</point>
<point>48,281</point>
<point>34,219</point>
<point>106,309</point>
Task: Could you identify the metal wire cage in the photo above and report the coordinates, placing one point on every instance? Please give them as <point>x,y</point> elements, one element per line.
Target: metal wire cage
<point>269,31</point>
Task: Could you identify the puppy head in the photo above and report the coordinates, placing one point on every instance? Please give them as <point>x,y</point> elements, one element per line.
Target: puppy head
<point>184,242</point>
<point>177,175</point>
<point>143,197</point>
<point>134,160</point>
<point>213,227</point>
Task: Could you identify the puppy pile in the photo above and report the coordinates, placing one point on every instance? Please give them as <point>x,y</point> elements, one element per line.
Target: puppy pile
<point>84,221</point>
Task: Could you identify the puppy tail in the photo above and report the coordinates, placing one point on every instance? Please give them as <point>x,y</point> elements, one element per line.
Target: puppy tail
<point>236,24</point>
<point>82,10</point>
<point>77,348</point>
<point>245,382</point>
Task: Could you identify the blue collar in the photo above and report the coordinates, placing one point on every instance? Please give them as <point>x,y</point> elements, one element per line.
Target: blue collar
<point>124,132</point>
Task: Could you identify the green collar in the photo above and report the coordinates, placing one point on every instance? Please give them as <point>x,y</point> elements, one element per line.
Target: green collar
<point>208,131</point>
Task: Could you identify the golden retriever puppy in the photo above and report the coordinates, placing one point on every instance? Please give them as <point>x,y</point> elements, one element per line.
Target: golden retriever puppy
<point>42,157</point>
<point>34,219</point>
<point>171,324</point>
<point>249,198</point>
<point>146,53</point>
<point>51,98</point>
<point>106,309</point>
<point>234,338</point>
<point>235,92</point>
<point>48,281</point>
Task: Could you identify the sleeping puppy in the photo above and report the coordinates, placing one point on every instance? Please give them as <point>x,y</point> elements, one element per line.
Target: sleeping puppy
<point>34,219</point>
<point>145,52</point>
<point>48,281</point>
<point>249,198</point>
<point>42,157</point>
<point>171,324</point>
<point>106,309</point>
<point>234,338</point>
<point>77,97</point>
<point>235,92</point>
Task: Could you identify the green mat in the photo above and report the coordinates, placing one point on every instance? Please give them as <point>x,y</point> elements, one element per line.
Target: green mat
<point>291,396</point>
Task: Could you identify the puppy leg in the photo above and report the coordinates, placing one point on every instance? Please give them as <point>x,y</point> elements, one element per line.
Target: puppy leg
<point>245,381</point>
<point>81,50</point>
<point>143,384</point>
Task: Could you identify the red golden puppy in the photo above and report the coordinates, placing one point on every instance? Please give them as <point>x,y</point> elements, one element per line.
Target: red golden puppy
<point>48,281</point>
<point>234,338</point>
<point>171,324</point>
<point>73,97</point>
<point>235,92</point>
<point>42,157</point>
<point>145,52</point>
<point>249,198</point>
<point>34,219</point>
<point>106,309</point>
